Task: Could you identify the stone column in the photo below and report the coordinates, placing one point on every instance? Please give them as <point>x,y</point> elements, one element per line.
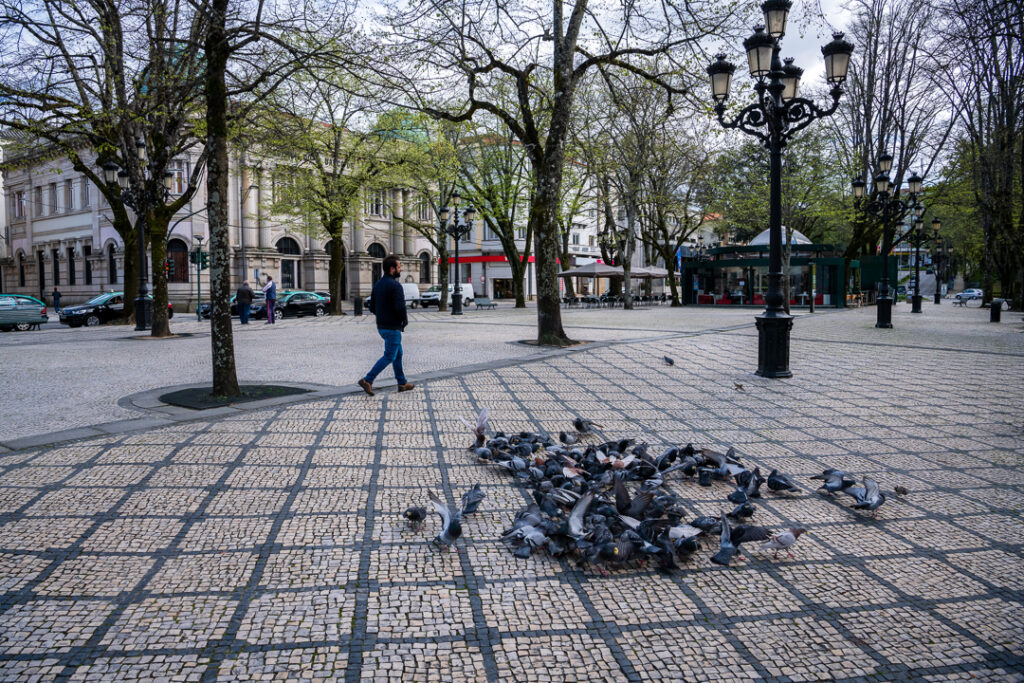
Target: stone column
<point>263,180</point>
<point>397,214</point>
<point>407,232</point>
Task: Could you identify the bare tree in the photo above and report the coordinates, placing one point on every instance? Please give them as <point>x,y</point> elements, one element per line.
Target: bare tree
<point>93,79</point>
<point>466,54</point>
<point>981,68</point>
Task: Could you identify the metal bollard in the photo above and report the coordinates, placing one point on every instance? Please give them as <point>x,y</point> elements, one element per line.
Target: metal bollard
<point>995,311</point>
<point>357,306</point>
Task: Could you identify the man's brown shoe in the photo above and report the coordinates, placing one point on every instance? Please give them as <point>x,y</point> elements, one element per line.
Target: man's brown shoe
<point>406,387</point>
<point>367,387</point>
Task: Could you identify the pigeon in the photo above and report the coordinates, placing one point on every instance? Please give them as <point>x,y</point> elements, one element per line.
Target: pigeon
<point>737,386</point>
<point>575,523</point>
<point>726,548</point>
<point>900,490</point>
<point>584,426</point>
<point>471,499</point>
<point>781,482</point>
<point>568,439</point>
<point>415,516</point>
<point>867,498</point>
<point>669,361</point>
<point>451,526</point>
<point>480,430</point>
<point>835,480</point>
<point>745,533</point>
<point>742,510</point>
<point>633,507</point>
<point>783,541</point>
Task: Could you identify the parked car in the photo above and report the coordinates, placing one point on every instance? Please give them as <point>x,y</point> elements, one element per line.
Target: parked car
<point>99,309</point>
<point>432,296</point>
<point>293,304</point>
<point>20,312</point>
<point>412,296</point>
<point>969,294</point>
<point>257,299</point>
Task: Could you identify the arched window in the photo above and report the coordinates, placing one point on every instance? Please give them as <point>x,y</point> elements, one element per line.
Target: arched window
<point>177,251</point>
<point>111,265</point>
<point>290,251</point>
<point>377,252</point>
<point>424,268</point>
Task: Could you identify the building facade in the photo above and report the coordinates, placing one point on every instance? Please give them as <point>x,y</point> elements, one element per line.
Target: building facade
<point>58,232</point>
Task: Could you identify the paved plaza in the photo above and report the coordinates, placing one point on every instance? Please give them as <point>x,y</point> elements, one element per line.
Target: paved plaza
<point>267,544</point>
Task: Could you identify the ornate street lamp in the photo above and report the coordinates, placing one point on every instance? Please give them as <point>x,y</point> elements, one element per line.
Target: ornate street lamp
<point>890,209</point>
<point>776,115</point>
<point>139,202</point>
<point>457,231</point>
<point>939,260</point>
<point>917,237</point>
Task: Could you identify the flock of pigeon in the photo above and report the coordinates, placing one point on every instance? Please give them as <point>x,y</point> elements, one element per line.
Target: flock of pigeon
<point>605,504</point>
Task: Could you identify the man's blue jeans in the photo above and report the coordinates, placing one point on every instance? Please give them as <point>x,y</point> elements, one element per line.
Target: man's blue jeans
<point>392,356</point>
<point>243,313</point>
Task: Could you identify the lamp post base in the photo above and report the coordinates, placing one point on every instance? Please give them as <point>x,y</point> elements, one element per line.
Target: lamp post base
<point>915,303</point>
<point>938,297</point>
<point>143,314</point>
<point>457,304</point>
<point>773,344</point>
<point>884,317</point>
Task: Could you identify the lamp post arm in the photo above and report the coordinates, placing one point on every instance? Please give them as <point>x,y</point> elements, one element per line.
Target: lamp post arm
<point>750,120</point>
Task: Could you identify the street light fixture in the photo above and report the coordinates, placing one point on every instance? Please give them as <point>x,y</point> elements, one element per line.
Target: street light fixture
<point>139,202</point>
<point>940,260</point>
<point>917,236</point>
<point>890,210</point>
<point>776,115</point>
<point>457,230</point>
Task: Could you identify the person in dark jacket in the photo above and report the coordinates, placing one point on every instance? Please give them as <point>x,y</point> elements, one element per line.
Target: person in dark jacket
<point>56,300</point>
<point>243,299</point>
<point>387,303</point>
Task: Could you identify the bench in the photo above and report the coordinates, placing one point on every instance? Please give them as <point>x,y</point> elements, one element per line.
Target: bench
<point>485,302</point>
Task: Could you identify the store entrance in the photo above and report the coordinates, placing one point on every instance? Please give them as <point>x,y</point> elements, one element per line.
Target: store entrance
<point>503,289</point>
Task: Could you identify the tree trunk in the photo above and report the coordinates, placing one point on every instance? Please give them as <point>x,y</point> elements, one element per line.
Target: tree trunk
<point>225,381</point>
<point>158,224</point>
<point>544,214</point>
<point>563,255</point>
<point>518,271</point>
<point>130,285</point>
<point>336,270</point>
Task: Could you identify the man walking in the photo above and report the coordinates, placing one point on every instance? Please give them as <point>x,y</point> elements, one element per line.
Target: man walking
<point>243,299</point>
<point>387,303</point>
<point>270,291</point>
<point>56,299</point>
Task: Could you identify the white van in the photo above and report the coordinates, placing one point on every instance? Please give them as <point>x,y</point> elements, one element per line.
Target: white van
<point>412,296</point>
<point>432,296</point>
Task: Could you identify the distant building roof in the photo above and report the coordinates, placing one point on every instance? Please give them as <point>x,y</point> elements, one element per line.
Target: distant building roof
<point>762,238</point>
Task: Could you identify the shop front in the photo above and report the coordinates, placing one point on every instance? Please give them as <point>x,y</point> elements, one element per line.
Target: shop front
<point>738,276</point>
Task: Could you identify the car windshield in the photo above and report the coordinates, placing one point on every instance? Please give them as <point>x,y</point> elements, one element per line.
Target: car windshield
<point>434,288</point>
<point>96,301</point>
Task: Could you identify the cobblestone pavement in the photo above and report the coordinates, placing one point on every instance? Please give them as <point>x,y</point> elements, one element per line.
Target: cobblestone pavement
<point>269,545</point>
<point>48,374</point>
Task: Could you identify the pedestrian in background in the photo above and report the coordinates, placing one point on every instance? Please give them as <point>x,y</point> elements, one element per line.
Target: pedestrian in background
<point>243,299</point>
<point>387,303</point>
<point>270,291</point>
<point>56,300</point>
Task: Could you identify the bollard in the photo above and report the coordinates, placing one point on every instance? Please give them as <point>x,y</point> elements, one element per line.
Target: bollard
<point>995,311</point>
<point>357,306</point>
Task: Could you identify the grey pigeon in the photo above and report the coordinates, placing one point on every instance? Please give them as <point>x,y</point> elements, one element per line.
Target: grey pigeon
<point>781,482</point>
<point>584,426</point>
<point>867,498</point>
<point>568,439</point>
<point>471,499</point>
<point>835,480</point>
<point>726,548</point>
<point>579,510</point>
<point>479,429</point>
<point>669,361</point>
<point>783,541</point>
<point>415,516</point>
<point>451,527</point>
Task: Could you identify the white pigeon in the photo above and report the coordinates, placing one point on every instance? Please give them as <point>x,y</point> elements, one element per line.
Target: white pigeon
<point>783,541</point>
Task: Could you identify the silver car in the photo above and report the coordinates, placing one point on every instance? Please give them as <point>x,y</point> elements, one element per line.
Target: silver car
<point>20,312</point>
